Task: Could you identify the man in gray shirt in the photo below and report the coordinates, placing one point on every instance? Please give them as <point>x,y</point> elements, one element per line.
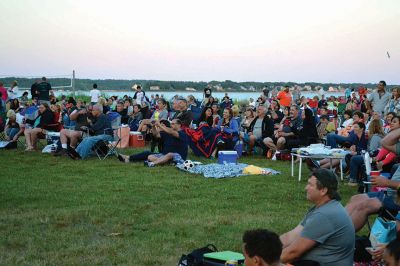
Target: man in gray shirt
<point>326,234</point>
<point>379,98</point>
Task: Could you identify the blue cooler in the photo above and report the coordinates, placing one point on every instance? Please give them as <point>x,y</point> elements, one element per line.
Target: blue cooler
<point>227,157</point>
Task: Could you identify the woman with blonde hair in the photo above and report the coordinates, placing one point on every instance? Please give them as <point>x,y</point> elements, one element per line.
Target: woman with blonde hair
<point>375,135</point>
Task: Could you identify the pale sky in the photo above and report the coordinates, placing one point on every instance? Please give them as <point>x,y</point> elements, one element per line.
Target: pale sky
<point>307,40</point>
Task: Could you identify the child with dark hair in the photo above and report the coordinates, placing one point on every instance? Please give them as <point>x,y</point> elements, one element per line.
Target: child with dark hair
<point>261,247</point>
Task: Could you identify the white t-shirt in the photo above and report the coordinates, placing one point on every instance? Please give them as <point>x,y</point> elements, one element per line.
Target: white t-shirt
<point>13,93</point>
<point>94,94</point>
<point>140,97</point>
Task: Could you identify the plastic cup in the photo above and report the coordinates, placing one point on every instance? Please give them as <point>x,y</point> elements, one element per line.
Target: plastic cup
<point>375,173</point>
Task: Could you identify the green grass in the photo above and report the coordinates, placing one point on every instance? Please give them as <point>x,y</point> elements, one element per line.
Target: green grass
<point>55,211</point>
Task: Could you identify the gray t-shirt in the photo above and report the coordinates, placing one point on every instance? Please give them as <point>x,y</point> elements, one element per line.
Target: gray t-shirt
<point>379,102</point>
<point>396,177</point>
<point>257,129</point>
<point>331,227</point>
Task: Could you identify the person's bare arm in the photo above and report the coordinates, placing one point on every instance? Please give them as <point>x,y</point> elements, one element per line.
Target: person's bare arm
<point>168,130</point>
<point>289,237</point>
<point>390,140</point>
<point>155,131</point>
<point>295,250</point>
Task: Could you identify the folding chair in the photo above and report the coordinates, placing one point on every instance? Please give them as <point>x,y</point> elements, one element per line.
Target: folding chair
<point>103,149</point>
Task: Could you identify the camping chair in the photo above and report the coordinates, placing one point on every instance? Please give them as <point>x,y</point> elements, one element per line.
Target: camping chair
<point>103,149</point>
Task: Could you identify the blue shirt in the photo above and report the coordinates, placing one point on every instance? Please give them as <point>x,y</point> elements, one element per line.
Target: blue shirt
<point>175,145</point>
<point>361,144</point>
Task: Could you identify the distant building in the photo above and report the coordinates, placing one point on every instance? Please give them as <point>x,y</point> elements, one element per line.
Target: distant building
<point>154,88</point>
<point>190,89</point>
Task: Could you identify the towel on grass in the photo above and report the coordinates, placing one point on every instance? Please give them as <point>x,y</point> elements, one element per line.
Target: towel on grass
<point>215,170</point>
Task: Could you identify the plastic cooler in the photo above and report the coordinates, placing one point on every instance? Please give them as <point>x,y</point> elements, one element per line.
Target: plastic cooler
<point>136,139</point>
<point>227,157</point>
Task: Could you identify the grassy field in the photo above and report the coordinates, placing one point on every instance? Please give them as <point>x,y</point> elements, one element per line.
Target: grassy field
<point>55,211</point>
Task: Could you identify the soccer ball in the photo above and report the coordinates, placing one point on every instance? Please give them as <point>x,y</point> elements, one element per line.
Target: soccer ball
<point>188,164</point>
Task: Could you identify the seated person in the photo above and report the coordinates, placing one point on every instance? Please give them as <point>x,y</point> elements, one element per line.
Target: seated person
<point>229,129</point>
<point>12,128</point>
<point>183,113</point>
<point>261,248</point>
<point>385,159</point>
<point>215,113</point>
<point>123,112</point>
<point>135,118</point>
<point>161,113</point>
<point>260,128</point>
<point>343,135</point>
<point>286,132</point>
<point>326,234</point>
<point>347,119</point>
<point>333,139</point>
<point>388,121</point>
<point>358,142</point>
<point>174,149</point>
<point>206,117</point>
<point>363,205</point>
<point>80,116</point>
<point>99,129</point>
<point>248,118</point>
<point>45,121</point>
<point>324,127</point>
<point>305,135</point>
<point>274,112</point>
<point>357,161</point>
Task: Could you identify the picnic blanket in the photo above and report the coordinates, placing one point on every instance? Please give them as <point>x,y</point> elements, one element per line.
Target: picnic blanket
<point>215,170</point>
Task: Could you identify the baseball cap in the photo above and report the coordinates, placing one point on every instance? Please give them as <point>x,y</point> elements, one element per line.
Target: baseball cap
<point>328,179</point>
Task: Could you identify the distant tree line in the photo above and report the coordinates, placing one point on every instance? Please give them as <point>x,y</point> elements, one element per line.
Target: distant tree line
<point>120,84</point>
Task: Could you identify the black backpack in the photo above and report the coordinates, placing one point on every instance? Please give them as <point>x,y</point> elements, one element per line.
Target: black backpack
<point>195,258</point>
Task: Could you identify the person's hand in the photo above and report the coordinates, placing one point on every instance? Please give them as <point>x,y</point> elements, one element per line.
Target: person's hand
<point>379,181</point>
<point>379,165</point>
<point>377,252</point>
<point>15,138</point>
<point>353,148</point>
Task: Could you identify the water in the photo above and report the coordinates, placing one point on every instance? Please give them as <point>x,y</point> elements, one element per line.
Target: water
<point>240,96</point>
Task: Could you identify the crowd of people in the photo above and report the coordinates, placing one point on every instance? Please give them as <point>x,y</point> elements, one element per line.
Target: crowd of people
<point>358,122</point>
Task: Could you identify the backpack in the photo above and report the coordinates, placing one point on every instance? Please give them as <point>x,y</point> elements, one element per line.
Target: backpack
<point>195,258</point>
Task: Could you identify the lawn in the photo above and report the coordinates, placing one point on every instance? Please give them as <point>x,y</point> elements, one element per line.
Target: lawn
<point>55,211</point>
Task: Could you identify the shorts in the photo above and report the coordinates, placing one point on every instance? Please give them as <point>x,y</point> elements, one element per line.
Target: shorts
<point>387,201</point>
<point>177,158</point>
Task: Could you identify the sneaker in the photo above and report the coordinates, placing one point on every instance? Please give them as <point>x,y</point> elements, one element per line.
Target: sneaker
<point>73,153</point>
<point>274,157</point>
<point>150,164</point>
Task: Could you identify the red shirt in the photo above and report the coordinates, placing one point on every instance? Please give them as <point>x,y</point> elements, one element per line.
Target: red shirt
<point>4,93</point>
<point>312,103</point>
<point>285,98</point>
